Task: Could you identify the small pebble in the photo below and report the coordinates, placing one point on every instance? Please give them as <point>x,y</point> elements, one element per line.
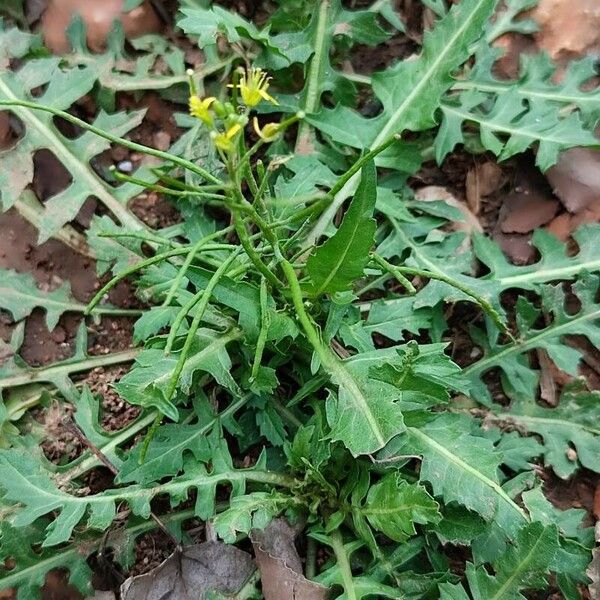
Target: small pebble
<point>125,166</point>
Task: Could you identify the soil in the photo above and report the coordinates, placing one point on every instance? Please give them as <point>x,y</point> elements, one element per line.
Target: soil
<point>52,263</point>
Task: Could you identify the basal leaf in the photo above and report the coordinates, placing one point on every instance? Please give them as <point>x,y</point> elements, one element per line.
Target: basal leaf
<point>411,90</point>
<point>460,467</point>
<point>393,506</point>
<point>524,566</point>
<point>511,126</point>
<point>63,88</point>
<point>571,437</point>
<point>340,261</point>
<point>20,295</point>
<point>520,380</point>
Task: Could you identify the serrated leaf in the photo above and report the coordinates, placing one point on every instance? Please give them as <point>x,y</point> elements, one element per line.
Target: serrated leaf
<point>460,467</point>
<point>20,295</point>
<point>29,570</point>
<point>334,266</point>
<point>393,507</point>
<point>520,380</point>
<point>511,126</point>
<point>148,381</point>
<point>412,90</point>
<point>571,437</point>
<point>524,566</point>
<point>63,88</point>
<point>29,485</point>
<point>250,511</point>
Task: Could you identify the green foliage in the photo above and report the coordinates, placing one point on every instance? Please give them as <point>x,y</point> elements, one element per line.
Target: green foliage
<point>294,358</point>
<point>341,260</point>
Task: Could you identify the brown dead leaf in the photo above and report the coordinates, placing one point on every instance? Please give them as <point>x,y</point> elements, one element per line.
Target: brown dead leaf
<point>514,46</point>
<point>575,179</point>
<point>431,193</point>
<point>280,565</point>
<point>482,180</point>
<point>98,18</point>
<point>568,28</point>
<point>192,573</point>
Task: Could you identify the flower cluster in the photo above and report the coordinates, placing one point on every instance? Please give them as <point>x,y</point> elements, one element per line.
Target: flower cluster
<point>225,121</point>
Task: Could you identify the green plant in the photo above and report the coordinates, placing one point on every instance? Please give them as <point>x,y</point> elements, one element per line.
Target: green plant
<point>258,336</point>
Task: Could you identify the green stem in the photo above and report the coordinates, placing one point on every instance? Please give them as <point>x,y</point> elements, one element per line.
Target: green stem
<point>202,304</point>
<point>311,101</point>
<point>188,261</point>
<point>265,321</point>
<point>142,265</point>
<point>395,272</point>
<point>343,188</point>
<point>182,162</point>
<point>51,373</point>
<point>337,544</point>
<point>245,241</point>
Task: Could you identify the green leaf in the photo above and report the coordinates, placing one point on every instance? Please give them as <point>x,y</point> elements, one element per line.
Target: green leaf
<point>334,266</point>
<point>63,88</point>
<point>570,432</point>
<point>30,567</point>
<point>537,83</point>
<point>364,414</point>
<point>511,126</point>
<point>20,295</point>
<point>166,451</point>
<point>250,511</point>
<point>148,381</point>
<point>524,566</point>
<point>460,467</point>
<point>520,380</point>
<point>411,90</point>
<point>28,484</point>
<point>393,507</point>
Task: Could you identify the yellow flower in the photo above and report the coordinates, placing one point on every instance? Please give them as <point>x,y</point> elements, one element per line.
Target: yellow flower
<point>200,109</point>
<point>269,132</point>
<point>224,141</point>
<point>253,87</point>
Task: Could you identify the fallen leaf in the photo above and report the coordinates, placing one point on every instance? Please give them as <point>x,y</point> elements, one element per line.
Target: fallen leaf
<point>280,565</point>
<point>192,573</point>
<point>431,193</point>
<point>482,180</point>
<point>514,46</point>
<point>568,29</point>
<point>575,179</point>
<point>98,18</point>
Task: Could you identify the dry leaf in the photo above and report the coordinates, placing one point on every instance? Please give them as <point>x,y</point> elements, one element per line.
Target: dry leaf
<point>280,566</point>
<point>431,193</point>
<point>568,28</point>
<point>575,179</point>
<point>192,573</point>
<point>482,180</point>
<point>98,18</point>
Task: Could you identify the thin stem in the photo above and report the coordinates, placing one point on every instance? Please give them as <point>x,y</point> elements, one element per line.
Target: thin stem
<point>245,241</point>
<point>202,304</point>
<point>188,261</point>
<point>142,265</point>
<point>311,102</point>
<point>265,321</point>
<point>311,558</point>
<point>182,162</point>
<point>337,544</point>
<point>395,272</point>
